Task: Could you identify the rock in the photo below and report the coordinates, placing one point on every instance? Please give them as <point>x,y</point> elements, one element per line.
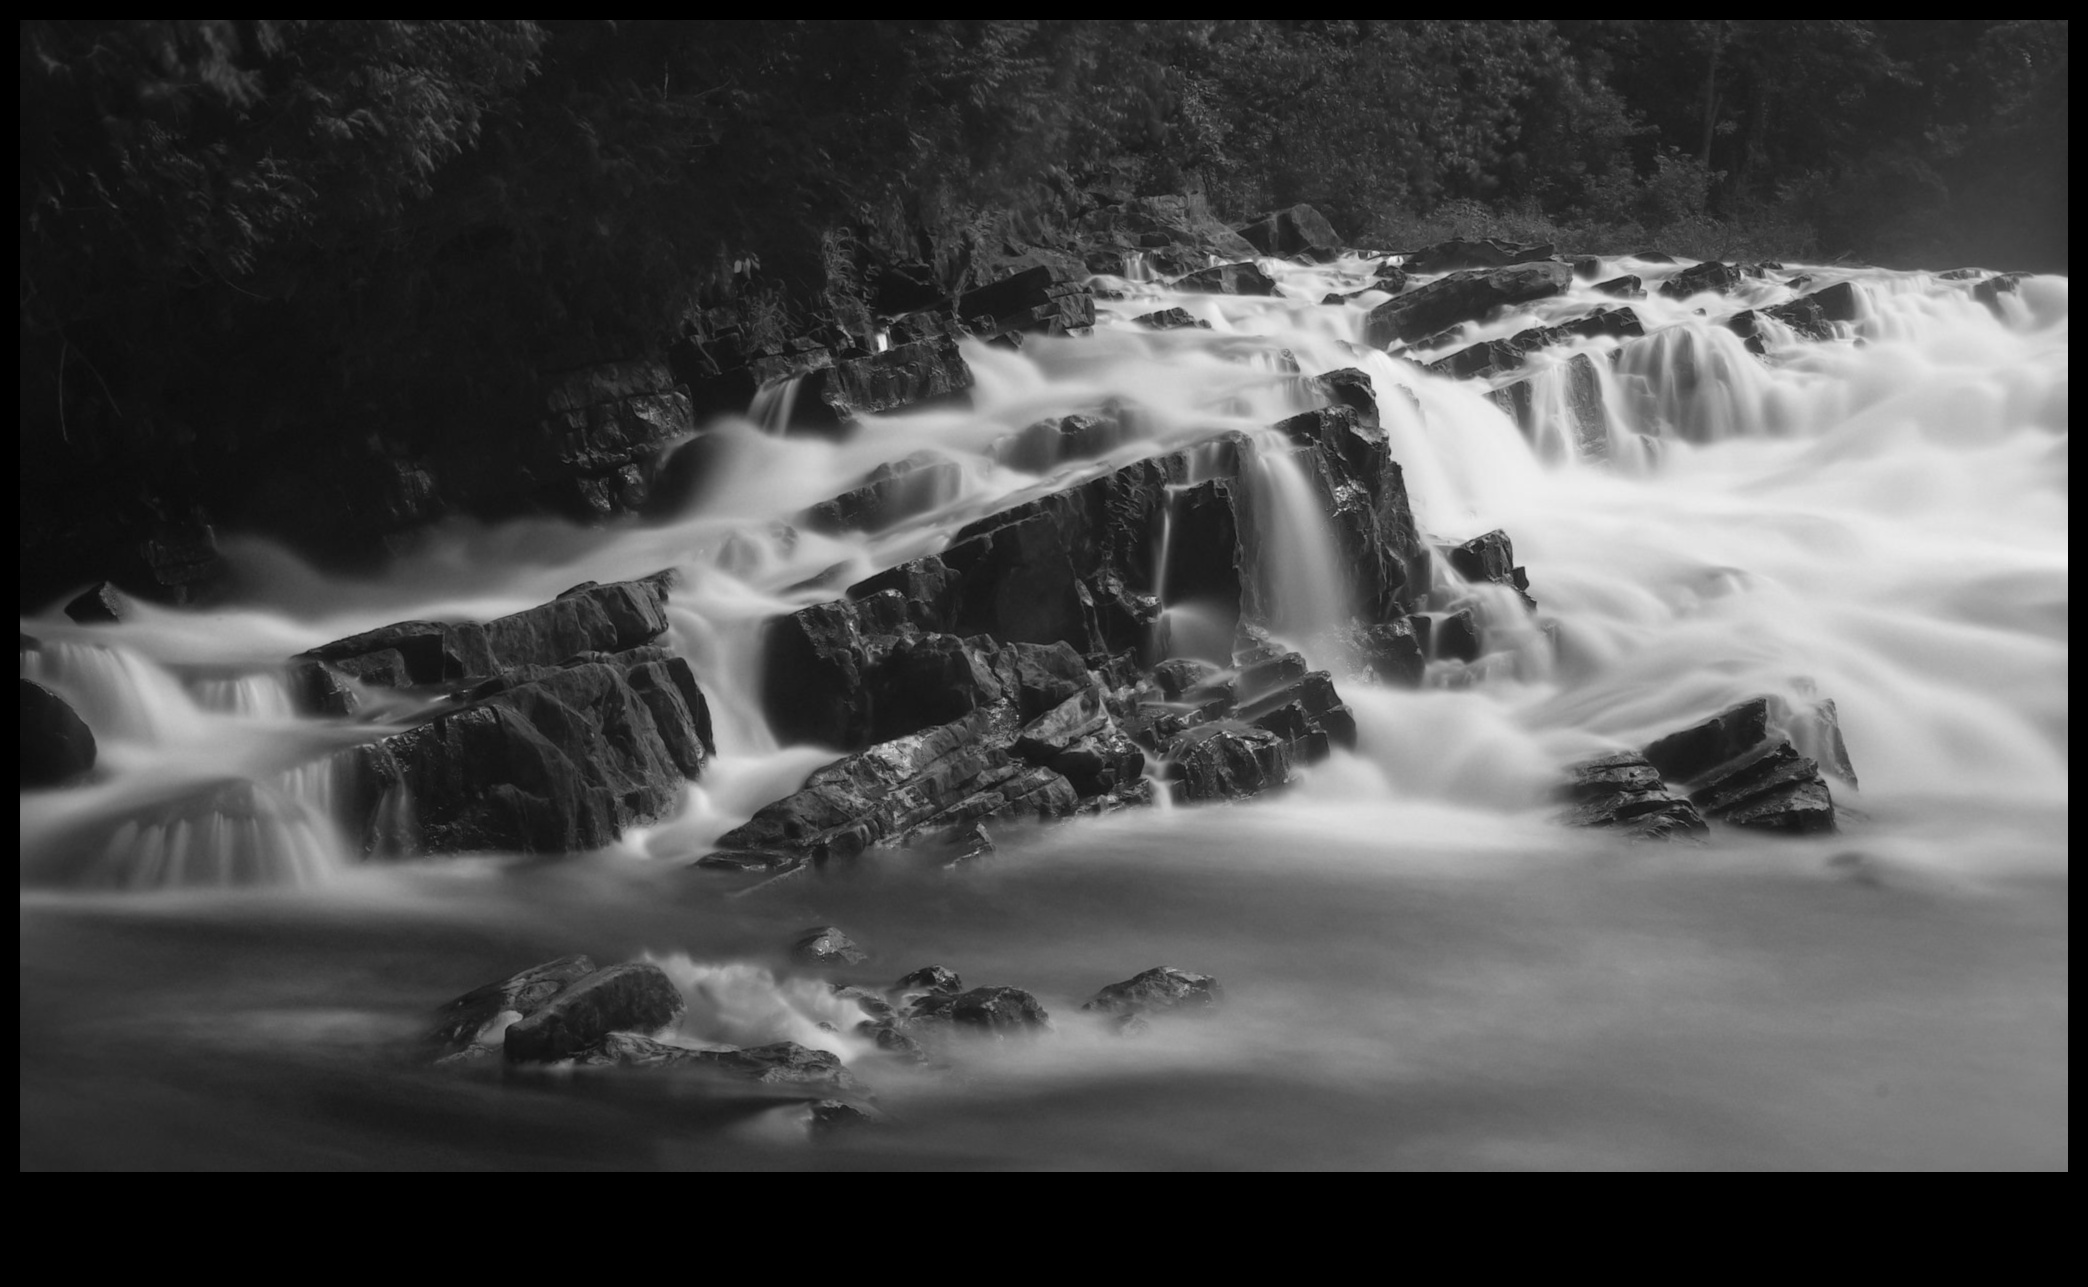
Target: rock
<point>1491,557</point>
<point>924,783</point>
<point>850,674</point>
<point>1651,257</point>
<point>57,746</point>
<point>1229,279</point>
<point>100,603</point>
<point>900,489</point>
<point>1811,316</point>
<point>1457,253</point>
<point>998,1011</point>
<point>1990,291</point>
<point>1351,388</point>
<point>930,371</point>
<point>636,996</point>
<point>459,1023</point>
<point>1044,298</point>
<point>782,1064</point>
<point>832,1116</point>
<point>1226,760</point>
<point>929,978</point>
<point>827,945</point>
<point>1588,266</point>
<point>1171,319</point>
<point>1049,443</point>
<point>1300,230</point>
<point>318,689</point>
<point>1448,636</point>
<point>605,427</point>
<point>1392,651</point>
<point>1698,278</point>
<point>1623,791</point>
<point>592,618</point>
<point>1497,357</point>
<point>1572,392</point>
<point>1740,767</point>
<point>1625,287</point>
<point>1462,297</point>
<point>1161,988</point>
<point>541,759</point>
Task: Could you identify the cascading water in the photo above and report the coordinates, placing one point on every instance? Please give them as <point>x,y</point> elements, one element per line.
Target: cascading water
<point>1880,518</point>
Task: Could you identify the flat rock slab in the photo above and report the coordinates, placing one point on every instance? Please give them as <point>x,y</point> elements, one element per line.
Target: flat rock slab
<point>1462,297</point>
<point>524,992</point>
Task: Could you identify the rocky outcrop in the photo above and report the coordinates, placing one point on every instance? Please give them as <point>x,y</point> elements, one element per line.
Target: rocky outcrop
<point>523,755</point>
<point>1043,299</point>
<point>1743,767</point>
<point>635,997</point>
<point>1498,357</point>
<point>1047,444</point>
<point>783,1065</point>
<point>995,1012</point>
<point>99,604</point>
<point>1625,287</point>
<point>1171,319</point>
<point>1491,557</point>
<point>1458,254</point>
<point>593,452</point>
<point>1990,291</point>
<point>57,746</point>
<point>1300,230</point>
<point>1462,296</point>
<point>1623,791</point>
<point>460,1023</point>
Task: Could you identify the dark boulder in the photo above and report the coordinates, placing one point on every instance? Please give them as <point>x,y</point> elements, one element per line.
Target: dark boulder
<point>1351,388</point>
<point>458,1024</point>
<point>996,1011</point>
<point>833,1116</point>
<point>1698,278</point>
<point>1226,760</point>
<point>1624,792</point>
<point>1625,287</point>
<point>1741,766</point>
<point>1161,988</point>
<point>1462,297</point>
<point>827,945</point>
<point>1990,291</point>
<point>1811,316</point>
<point>1491,557</point>
<point>1170,319</point>
<point>1300,230</point>
<point>1392,652</point>
<point>1458,253</point>
<point>1448,636</point>
<point>604,429</point>
<point>1587,266</point>
<point>57,746</point>
<point>851,673</point>
<point>99,604</point>
<point>1047,444</point>
<point>636,996</point>
<point>1229,279</point>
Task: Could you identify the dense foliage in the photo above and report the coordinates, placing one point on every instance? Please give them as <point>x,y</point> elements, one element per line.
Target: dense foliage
<point>280,234</point>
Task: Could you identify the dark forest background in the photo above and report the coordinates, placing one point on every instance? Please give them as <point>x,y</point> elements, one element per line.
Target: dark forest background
<point>292,232</point>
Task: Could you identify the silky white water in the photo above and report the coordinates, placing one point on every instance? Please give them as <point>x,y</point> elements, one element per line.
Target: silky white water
<point>1881,519</point>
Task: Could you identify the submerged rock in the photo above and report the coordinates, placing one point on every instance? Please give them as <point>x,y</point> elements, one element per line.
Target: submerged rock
<point>523,993</point>
<point>827,945</point>
<point>1497,357</point>
<point>1171,319</point>
<point>781,1064</point>
<point>894,491</point>
<point>1626,287</point>
<point>636,996</point>
<point>1161,988</point>
<point>832,1116</point>
<point>57,746</point>
<point>929,978</point>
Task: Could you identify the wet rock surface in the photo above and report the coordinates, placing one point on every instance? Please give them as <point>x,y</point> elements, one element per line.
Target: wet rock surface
<point>1743,766</point>
<point>1300,230</point>
<point>1462,296</point>
<point>57,746</point>
<point>994,1011</point>
<point>1490,252</point>
<point>827,945</point>
<point>1624,792</point>
<point>1162,988</point>
<point>459,1023</point>
<point>635,997</point>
